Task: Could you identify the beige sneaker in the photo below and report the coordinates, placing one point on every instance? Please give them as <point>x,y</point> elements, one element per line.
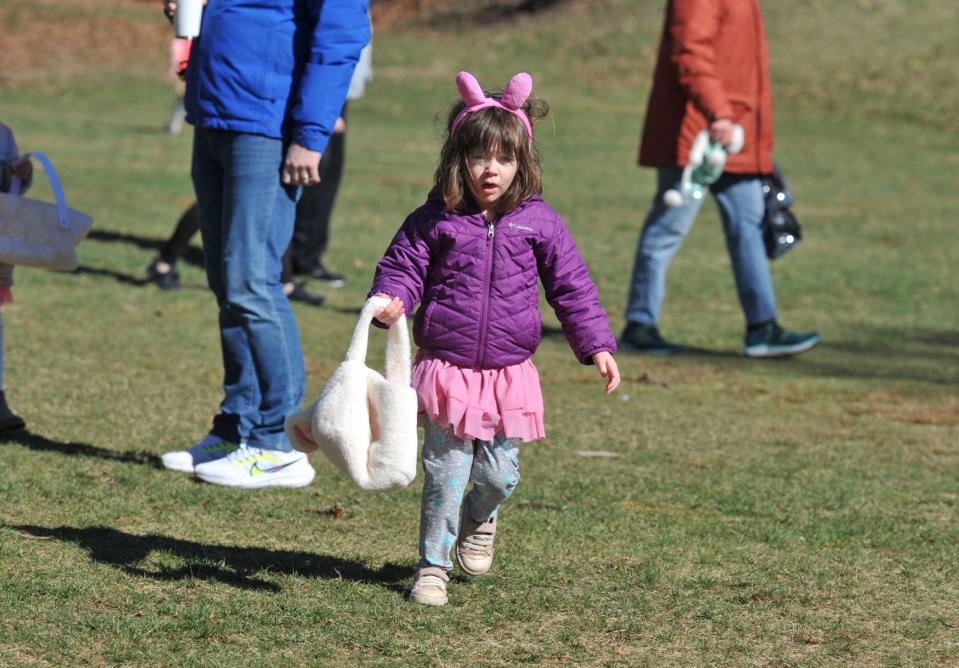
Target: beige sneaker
<point>474,546</point>
<point>430,586</point>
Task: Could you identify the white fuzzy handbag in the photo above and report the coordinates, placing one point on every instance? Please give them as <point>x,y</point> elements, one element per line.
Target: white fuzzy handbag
<point>41,234</point>
<point>365,422</point>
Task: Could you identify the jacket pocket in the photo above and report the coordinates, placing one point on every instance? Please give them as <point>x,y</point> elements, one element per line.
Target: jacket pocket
<point>428,319</point>
<point>741,100</point>
<point>743,105</point>
<point>255,70</point>
<point>530,331</point>
<point>278,65</point>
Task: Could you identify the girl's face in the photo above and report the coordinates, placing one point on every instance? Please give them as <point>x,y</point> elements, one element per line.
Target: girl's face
<point>491,173</point>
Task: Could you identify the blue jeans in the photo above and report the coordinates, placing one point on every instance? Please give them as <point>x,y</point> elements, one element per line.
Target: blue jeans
<point>740,199</point>
<point>246,219</point>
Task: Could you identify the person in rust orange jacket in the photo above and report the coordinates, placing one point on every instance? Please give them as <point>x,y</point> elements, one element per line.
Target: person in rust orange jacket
<point>712,73</point>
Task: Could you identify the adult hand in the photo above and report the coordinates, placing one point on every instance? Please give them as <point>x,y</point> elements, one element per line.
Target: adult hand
<point>391,312</point>
<point>22,168</point>
<point>301,167</point>
<point>607,369</point>
<point>169,6</point>
<point>721,130</point>
<point>340,126</point>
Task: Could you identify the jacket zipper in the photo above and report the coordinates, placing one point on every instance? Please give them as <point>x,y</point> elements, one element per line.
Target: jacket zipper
<point>490,241</point>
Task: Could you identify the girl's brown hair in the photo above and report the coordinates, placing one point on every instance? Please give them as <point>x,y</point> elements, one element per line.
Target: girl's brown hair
<point>489,129</point>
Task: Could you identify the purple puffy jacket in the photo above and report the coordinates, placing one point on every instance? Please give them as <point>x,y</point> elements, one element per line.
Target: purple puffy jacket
<point>478,284</point>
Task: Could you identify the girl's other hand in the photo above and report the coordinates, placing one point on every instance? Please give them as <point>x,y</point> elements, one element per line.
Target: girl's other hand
<point>607,369</point>
<point>391,312</point>
<point>22,168</point>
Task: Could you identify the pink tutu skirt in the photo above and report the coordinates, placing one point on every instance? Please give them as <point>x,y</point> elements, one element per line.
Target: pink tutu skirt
<point>481,403</point>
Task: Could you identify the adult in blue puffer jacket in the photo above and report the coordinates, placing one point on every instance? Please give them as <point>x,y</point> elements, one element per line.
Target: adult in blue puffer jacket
<point>472,257</point>
<point>265,84</point>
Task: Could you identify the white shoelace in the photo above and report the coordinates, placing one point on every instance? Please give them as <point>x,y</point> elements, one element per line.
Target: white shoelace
<point>433,581</point>
<point>479,542</point>
<point>241,453</point>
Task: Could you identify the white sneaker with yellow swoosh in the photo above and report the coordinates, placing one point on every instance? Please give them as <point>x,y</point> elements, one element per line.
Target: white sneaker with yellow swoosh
<point>210,448</point>
<point>253,468</point>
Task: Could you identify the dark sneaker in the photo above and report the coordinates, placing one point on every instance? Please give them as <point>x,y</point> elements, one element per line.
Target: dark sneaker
<point>321,273</point>
<point>773,341</point>
<point>304,296</point>
<point>165,280</point>
<point>9,421</point>
<point>645,339</point>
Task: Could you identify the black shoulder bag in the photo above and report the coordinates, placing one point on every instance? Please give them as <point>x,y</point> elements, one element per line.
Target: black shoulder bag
<point>781,230</point>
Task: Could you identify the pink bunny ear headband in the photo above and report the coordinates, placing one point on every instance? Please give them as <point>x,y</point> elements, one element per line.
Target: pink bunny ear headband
<point>515,94</point>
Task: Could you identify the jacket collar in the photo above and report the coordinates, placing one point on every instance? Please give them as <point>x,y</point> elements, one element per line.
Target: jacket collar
<point>471,213</point>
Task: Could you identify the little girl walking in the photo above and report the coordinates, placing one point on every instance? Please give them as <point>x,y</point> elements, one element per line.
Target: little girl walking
<point>16,175</point>
<point>470,257</point>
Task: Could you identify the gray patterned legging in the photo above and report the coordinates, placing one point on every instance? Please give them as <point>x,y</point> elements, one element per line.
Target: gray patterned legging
<point>449,464</point>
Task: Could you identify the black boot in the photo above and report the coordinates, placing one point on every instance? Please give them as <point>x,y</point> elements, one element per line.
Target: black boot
<point>299,293</point>
<point>9,421</point>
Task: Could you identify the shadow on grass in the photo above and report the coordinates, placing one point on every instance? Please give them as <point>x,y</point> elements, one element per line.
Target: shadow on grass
<point>897,354</point>
<point>906,361</point>
<point>550,332</point>
<point>127,279</point>
<point>43,444</point>
<point>120,277</point>
<point>488,12</point>
<point>192,255</point>
<point>858,361</point>
<point>236,566</point>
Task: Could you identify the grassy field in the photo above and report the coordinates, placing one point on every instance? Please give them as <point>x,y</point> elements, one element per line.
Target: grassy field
<point>784,513</point>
